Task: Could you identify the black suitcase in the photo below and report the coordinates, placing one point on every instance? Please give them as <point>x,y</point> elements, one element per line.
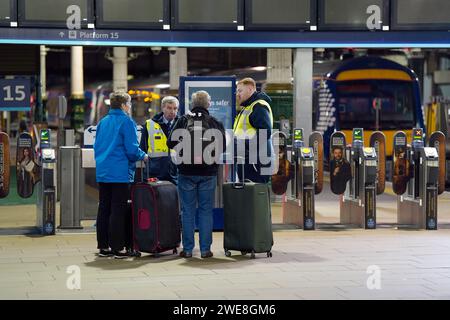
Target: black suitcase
<point>247,218</point>
<point>155,217</point>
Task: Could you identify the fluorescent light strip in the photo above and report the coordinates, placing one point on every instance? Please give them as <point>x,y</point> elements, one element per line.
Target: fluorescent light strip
<point>224,44</point>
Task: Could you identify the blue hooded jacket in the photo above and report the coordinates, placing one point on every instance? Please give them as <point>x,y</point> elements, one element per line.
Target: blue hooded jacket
<point>116,148</point>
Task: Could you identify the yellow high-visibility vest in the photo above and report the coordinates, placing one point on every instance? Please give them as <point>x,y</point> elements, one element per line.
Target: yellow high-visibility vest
<point>242,127</point>
<point>157,140</point>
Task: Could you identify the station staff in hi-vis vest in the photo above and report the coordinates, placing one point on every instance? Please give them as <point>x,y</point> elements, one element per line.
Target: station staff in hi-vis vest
<point>154,141</point>
<point>255,115</point>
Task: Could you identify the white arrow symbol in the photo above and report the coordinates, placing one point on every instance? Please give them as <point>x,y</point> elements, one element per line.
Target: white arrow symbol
<point>61,34</point>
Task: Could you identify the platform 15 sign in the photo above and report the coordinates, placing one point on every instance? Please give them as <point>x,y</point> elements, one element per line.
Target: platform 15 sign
<point>15,95</point>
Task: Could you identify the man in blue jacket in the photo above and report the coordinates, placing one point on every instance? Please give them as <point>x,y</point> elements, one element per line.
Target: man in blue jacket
<point>116,151</point>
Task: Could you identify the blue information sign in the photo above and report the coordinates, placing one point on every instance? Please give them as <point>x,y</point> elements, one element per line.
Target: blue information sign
<point>223,96</point>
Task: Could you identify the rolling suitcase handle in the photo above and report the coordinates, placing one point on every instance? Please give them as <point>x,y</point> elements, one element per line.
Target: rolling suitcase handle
<point>148,179</point>
<point>143,164</point>
<point>241,184</point>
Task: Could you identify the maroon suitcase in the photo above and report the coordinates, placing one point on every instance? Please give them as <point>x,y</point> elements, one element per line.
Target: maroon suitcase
<point>155,217</point>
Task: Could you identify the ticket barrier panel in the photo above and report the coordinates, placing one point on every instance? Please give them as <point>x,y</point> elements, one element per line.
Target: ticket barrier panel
<point>46,188</point>
<point>299,207</point>
<point>358,205</point>
<point>417,207</point>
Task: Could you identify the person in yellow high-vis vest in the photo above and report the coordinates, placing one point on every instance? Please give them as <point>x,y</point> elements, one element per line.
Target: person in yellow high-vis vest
<point>154,141</point>
<point>255,115</point>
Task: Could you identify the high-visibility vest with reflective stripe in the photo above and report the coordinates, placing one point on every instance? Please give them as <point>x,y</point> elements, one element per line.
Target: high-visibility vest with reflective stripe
<point>157,140</point>
<point>242,128</point>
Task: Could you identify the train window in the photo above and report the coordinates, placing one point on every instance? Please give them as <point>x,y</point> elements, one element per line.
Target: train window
<point>353,15</point>
<point>356,107</point>
<point>50,13</point>
<point>281,14</point>
<point>132,14</point>
<point>8,12</point>
<point>420,14</point>
<point>207,14</point>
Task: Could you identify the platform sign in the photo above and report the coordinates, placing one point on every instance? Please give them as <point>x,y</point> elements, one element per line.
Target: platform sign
<point>15,95</point>
<point>89,136</point>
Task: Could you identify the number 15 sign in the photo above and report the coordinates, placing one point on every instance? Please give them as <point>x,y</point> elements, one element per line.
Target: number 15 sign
<point>15,95</point>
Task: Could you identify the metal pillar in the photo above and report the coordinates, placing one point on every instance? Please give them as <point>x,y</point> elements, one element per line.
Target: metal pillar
<point>76,71</point>
<point>43,74</point>
<point>279,65</point>
<point>303,90</point>
<point>77,89</point>
<point>120,69</point>
<point>178,66</point>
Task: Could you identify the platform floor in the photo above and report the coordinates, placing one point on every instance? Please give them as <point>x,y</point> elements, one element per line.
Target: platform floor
<point>329,263</point>
<point>305,265</point>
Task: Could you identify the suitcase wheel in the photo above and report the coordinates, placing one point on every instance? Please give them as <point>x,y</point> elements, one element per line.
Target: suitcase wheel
<point>244,253</point>
<point>175,251</point>
<point>269,254</point>
<point>252,256</point>
<point>227,253</point>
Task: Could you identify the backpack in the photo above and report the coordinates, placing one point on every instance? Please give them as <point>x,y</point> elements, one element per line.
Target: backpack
<point>197,124</point>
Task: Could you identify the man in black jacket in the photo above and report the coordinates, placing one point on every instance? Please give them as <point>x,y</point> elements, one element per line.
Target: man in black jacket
<point>202,141</point>
<point>154,141</point>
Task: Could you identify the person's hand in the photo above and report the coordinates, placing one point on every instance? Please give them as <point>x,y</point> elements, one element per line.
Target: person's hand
<point>336,171</point>
<point>146,158</point>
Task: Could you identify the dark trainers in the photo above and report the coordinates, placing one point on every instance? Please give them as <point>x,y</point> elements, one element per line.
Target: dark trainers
<point>207,254</point>
<point>105,253</point>
<point>132,253</point>
<point>120,255</point>
<point>185,254</point>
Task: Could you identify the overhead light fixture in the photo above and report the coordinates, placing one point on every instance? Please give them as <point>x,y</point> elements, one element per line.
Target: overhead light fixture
<point>162,86</point>
<point>259,68</point>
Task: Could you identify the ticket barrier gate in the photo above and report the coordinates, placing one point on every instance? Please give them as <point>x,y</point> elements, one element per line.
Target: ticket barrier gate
<point>358,205</point>
<point>306,186</point>
<point>417,183</point>
<point>72,203</point>
<point>299,207</point>
<point>46,195</point>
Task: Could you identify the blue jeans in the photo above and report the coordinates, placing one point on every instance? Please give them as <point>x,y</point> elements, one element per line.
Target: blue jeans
<point>197,191</point>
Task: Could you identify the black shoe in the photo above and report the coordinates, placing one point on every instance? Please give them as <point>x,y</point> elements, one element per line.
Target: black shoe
<point>105,253</point>
<point>185,254</point>
<point>207,254</point>
<point>120,255</point>
<point>131,253</point>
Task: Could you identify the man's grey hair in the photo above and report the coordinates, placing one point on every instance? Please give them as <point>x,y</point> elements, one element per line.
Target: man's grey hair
<point>169,99</point>
<point>201,99</point>
<point>118,98</point>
